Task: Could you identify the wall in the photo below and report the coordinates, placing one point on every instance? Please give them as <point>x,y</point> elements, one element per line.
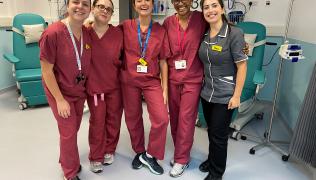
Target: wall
<point>294,82</point>
<point>295,77</point>
<point>270,65</point>
<point>6,79</point>
<point>45,8</point>
<point>259,13</point>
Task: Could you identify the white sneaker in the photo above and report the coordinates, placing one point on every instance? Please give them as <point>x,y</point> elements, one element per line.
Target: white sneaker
<point>96,167</point>
<point>178,169</point>
<point>172,162</point>
<point>108,159</point>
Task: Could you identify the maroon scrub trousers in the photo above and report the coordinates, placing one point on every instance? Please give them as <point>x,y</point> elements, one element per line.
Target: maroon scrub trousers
<point>184,84</point>
<point>104,93</point>
<point>56,48</point>
<point>135,84</point>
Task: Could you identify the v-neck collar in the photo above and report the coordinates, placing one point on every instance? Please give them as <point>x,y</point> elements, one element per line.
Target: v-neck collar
<point>142,32</point>
<point>189,21</point>
<point>104,35</point>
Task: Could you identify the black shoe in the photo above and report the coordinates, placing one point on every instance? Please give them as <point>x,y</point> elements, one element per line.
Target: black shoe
<point>136,164</point>
<point>151,163</point>
<point>210,177</point>
<point>79,170</point>
<point>204,166</point>
<point>74,178</point>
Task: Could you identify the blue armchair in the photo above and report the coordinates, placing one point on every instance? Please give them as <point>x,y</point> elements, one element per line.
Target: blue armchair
<point>25,59</point>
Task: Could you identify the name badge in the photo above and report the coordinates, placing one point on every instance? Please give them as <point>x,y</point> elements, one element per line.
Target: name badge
<point>217,48</point>
<point>141,69</point>
<point>142,61</point>
<point>180,64</point>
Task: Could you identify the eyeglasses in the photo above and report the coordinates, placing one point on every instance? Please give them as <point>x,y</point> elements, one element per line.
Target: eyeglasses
<point>178,1</point>
<point>102,7</point>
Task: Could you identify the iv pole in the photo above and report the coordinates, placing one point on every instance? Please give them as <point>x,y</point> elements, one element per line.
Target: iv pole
<point>267,139</point>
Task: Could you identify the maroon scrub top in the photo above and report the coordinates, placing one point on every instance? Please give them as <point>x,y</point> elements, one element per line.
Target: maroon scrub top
<point>158,48</point>
<point>193,35</point>
<point>56,48</point>
<point>105,65</point>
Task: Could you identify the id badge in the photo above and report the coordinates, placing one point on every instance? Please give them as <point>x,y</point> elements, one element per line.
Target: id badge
<point>217,48</point>
<point>142,61</point>
<point>180,64</point>
<point>141,69</point>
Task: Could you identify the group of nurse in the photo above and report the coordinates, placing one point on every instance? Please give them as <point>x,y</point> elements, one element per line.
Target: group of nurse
<point>114,67</point>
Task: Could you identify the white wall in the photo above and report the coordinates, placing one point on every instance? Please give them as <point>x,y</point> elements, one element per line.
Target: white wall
<point>45,8</point>
<point>6,79</point>
<point>302,24</point>
<point>272,16</point>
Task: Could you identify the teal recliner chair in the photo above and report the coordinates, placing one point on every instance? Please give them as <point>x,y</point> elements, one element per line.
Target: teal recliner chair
<point>26,63</point>
<point>250,107</point>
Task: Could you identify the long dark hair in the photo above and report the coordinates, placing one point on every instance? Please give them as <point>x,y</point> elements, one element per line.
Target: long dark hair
<point>221,3</point>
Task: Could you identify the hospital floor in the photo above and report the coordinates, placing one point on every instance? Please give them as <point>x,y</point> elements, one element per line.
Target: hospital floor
<point>29,151</point>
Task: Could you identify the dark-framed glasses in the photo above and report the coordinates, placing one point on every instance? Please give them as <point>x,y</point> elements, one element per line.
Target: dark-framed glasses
<point>102,7</point>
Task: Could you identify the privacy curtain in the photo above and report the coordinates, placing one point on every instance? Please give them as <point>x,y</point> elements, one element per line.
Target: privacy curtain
<point>303,144</point>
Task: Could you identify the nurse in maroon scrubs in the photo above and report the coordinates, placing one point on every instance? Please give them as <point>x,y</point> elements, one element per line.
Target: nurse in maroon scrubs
<point>103,86</point>
<point>145,69</point>
<point>65,53</point>
<point>185,30</point>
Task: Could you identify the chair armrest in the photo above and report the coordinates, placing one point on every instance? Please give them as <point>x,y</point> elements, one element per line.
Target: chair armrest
<point>11,58</point>
<point>259,77</point>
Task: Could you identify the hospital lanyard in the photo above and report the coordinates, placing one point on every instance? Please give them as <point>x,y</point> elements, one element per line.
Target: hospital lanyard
<point>181,41</point>
<point>75,46</point>
<point>143,50</point>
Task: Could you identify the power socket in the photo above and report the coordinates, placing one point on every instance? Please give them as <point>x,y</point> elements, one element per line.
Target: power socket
<point>252,3</point>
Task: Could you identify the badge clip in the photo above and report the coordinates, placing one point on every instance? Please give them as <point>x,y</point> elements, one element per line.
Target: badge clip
<point>142,61</point>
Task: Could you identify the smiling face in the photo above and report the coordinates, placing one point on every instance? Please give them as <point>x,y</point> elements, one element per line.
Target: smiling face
<point>212,11</point>
<point>143,7</point>
<point>182,6</point>
<point>78,9</point>
<point>102,11</point>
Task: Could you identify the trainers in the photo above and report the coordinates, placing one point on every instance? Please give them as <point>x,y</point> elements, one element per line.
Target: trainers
<point>96,167</point>
<point>210,177</point>
<point>204,166</point>
<point>136,164</point>
<point>172,162</point>
<point>74,178</point>
<point>108,159</point>
<point>178,169</point>
<point>151,163</point>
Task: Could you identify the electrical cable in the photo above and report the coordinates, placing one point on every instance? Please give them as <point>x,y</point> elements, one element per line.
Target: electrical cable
<point>272,57</point>
<point>245,7</point>
<point>232,5</point>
